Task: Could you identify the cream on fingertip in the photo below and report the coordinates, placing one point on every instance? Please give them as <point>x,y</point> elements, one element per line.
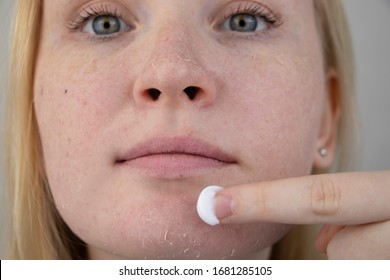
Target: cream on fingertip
<point>206,205</point>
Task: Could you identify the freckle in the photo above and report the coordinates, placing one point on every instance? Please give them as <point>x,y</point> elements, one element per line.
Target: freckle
<point>66,91</point>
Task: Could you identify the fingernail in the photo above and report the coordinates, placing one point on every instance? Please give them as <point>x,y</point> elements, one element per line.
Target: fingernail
<point>213,206</point>
<point>223,206</point>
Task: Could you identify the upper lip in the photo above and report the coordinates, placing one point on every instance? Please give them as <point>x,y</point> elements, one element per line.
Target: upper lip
<point>176,145</point>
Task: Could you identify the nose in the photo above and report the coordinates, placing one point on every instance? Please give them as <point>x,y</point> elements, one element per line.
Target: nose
<point>173,74</point>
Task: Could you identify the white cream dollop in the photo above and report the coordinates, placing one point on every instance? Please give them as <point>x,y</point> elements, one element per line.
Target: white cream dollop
<point>206,205</point>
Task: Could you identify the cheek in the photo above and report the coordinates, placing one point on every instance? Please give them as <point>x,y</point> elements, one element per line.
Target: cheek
<point>72,115</point>
<point>282,102</point>
<point>75,102</point>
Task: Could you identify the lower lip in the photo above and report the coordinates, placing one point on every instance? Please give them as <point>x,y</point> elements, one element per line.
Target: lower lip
<point>174,165</point>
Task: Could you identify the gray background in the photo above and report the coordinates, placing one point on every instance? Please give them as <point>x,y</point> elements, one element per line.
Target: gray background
<point>370,22</point>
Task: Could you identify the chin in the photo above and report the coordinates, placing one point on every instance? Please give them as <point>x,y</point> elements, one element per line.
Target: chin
<point>175,236</point>
<point>154,218</point>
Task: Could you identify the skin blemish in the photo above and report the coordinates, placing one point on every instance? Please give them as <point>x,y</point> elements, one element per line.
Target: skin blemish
<point>66,91</point>
<point>183,58</point>
<point>233,251</point>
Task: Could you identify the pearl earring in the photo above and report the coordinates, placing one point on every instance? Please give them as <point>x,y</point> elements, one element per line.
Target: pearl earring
<point>323,152</point>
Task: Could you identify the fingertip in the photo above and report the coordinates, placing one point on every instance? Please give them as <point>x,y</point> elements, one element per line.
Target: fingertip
<point>322,239</point>
<point>326,235</point>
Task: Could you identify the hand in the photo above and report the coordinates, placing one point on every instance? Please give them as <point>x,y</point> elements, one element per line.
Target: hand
<point>355,208</point>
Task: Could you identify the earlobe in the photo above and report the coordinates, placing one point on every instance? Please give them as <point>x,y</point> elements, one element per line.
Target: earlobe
<point>327,137</point>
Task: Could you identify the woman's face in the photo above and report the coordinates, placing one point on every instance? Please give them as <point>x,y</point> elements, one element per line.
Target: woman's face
<point>141,109</point>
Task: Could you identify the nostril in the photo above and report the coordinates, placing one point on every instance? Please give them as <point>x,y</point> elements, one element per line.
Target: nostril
<point>154,93</point>
<point>191,92</point>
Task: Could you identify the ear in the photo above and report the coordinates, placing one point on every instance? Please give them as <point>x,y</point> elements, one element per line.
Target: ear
<point>327,135</point>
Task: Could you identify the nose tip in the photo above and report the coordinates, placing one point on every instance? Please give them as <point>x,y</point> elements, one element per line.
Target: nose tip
<point>172,72</point>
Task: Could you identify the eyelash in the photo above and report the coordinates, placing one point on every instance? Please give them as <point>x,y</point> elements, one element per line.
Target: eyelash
<point>91,12</point>
<point>251,8</point>
<point>274,20</point>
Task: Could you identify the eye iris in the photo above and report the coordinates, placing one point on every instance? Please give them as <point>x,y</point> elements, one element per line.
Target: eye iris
<point>103,25</point>
<point>243,22</point>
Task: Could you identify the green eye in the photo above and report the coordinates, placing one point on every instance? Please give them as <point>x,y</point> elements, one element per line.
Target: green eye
<point>105,25</point>
<point>245,22</point>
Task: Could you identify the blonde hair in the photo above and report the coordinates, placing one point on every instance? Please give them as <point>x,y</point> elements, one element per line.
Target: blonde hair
<point>37,230</point>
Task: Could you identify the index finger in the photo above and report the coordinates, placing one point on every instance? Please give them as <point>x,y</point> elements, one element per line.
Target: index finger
<point>341,198</point>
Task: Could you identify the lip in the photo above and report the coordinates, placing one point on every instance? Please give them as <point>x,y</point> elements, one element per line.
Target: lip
<point>175,157</point>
